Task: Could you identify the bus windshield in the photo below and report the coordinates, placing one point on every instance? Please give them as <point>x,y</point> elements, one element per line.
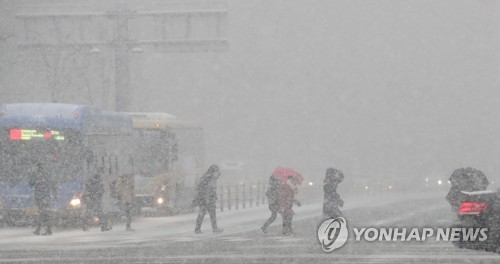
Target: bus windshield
<point>59,149</point>
<point>150,152</point>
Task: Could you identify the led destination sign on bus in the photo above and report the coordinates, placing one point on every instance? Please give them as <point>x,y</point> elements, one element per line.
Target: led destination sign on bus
<point>29,134</point>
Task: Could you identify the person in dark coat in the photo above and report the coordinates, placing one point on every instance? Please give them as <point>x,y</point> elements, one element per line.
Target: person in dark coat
<point>92,200</point>
<point>331,199</point>
<point>273,194</point>
<point>126,189</point>
<point>206,197</point>
<point>43,189</point>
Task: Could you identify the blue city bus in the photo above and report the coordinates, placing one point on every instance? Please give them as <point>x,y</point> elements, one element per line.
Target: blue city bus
<point>73,142</point>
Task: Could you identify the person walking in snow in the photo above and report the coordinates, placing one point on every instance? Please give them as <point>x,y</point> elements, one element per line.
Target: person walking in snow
<point>206,197</point>
<point>273,194</point>
<point>332,200</point>
<point>92,200</point>
<point>288,192</point>
<point>126,191</point>
<point>43,190</point>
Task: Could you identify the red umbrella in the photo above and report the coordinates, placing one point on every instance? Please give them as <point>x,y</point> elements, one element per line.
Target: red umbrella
<point>284,174</point>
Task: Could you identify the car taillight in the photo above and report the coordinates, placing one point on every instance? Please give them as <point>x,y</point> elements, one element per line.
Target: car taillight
<point>474,208</point>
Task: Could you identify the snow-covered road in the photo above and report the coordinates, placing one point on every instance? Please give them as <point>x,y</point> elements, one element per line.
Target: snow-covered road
<point>173,228</point>
<point>171,239</point>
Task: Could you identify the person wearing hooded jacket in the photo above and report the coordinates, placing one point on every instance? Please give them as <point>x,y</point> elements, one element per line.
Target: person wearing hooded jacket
<point>332,200</point>
<point>206,197</point>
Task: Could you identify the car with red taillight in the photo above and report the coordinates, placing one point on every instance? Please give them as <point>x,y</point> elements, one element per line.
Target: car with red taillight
<point>480,210</point>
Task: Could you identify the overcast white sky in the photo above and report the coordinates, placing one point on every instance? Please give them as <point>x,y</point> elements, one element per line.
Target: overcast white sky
<point>375,88</point>
<point>398,88</point>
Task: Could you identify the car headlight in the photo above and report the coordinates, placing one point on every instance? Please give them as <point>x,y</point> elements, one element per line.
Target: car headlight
<point>75,202</point>
<point>160,200</point>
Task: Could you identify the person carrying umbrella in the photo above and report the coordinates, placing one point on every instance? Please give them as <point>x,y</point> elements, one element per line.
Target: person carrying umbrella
<point>290,179</point>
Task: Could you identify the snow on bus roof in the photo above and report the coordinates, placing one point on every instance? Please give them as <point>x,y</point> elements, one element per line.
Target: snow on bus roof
<point>157,116</point>
<point>39,109</point>
<point>160,120</point>
<point>163,124</point>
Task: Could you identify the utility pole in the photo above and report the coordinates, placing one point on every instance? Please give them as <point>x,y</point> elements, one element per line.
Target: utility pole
<point>122,43</point>
<point>122,63</point>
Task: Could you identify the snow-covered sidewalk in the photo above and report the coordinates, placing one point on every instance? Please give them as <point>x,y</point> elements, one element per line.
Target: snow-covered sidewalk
<point>178,228</point>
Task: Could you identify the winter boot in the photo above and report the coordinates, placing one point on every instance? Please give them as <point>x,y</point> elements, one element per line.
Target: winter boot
<point>49,230</point>
<point>47,233</point>
<point>218,230</point>
<point>105,228</point>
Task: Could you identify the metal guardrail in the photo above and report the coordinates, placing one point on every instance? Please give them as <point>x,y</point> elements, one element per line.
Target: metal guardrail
<point>253,194</point>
